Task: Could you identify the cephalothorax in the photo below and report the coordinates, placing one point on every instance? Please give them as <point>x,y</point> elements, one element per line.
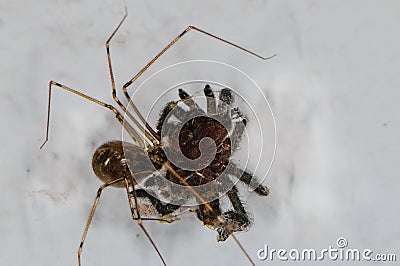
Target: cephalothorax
<point>191,151</point>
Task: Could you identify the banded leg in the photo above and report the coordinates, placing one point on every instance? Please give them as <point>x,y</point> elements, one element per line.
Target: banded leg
<point>239,124</point>
<point>96,201</point>
<point>189,28</point>
<point>130,189</point>
<point>224,106</point>
<point>161,207</point>
<point>132,132</point>
<point>238,219</point>
<point>211,105</point>
<point>153,136</point>
<point>188,100</point>
<point>179,113</point>
<point>210,209</point>
<point>249,179</point>
<point>209,217</point>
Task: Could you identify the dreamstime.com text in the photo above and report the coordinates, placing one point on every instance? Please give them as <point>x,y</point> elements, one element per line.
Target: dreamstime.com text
<point>339,253</point>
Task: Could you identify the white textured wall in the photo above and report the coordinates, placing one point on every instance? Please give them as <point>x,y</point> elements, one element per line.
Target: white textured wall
<point>334,89</point>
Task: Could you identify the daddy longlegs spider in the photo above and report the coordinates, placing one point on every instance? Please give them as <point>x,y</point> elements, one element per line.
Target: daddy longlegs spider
<point>110,160</point>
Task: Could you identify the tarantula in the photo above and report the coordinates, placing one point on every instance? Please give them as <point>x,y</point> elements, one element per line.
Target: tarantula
<point>225,126</point>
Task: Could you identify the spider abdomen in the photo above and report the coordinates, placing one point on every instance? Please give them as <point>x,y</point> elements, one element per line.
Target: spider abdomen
<point>114,160</point>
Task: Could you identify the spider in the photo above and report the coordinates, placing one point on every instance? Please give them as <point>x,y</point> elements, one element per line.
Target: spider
<point>126,165</point>
<point>193,126</point>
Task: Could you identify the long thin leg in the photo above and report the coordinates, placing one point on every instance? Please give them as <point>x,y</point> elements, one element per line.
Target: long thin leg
<point>132,132</point>
<point>130,188</point>
<point>124,88</point>
<point>96,201</point>
<point>154,135</point>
